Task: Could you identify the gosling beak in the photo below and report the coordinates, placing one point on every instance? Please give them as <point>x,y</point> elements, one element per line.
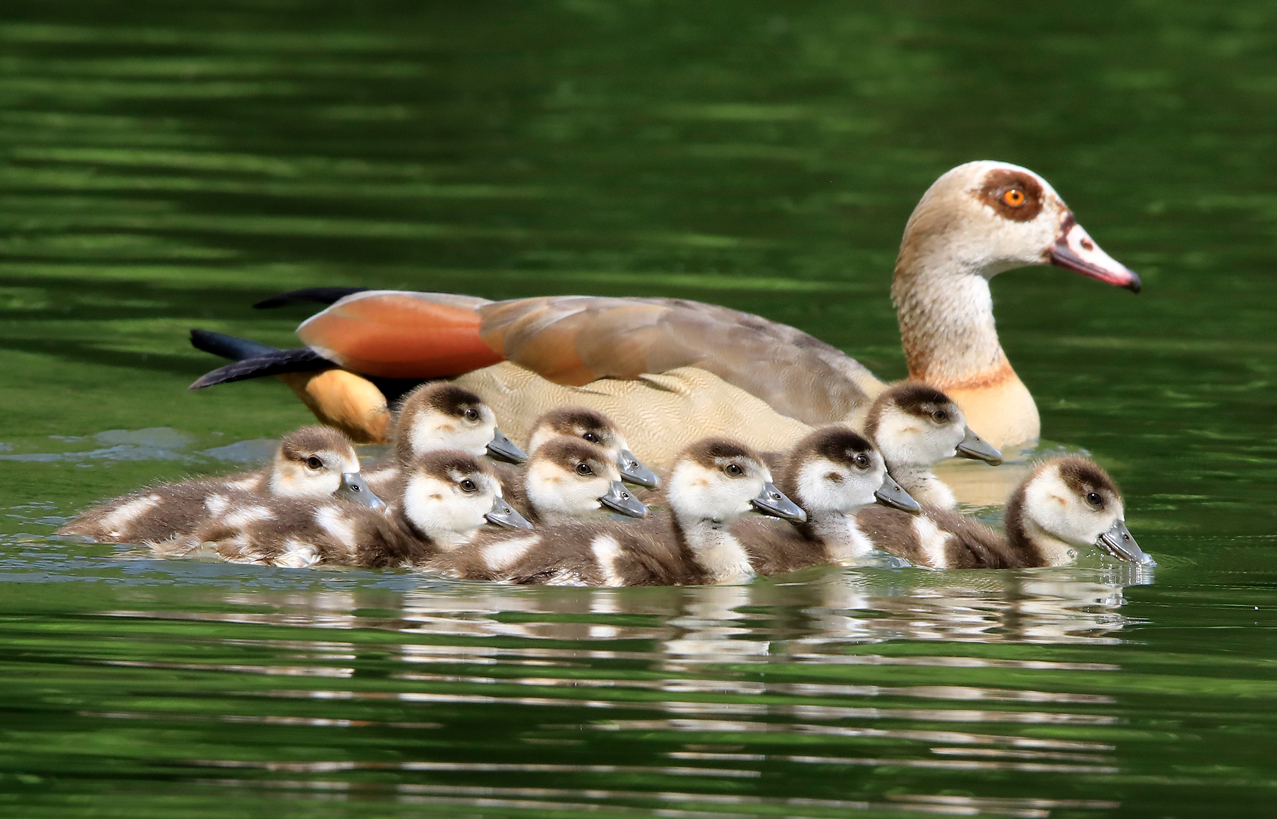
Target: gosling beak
<point>502,448</point>
<point>1075,250</point>
<point>503,514</point>
<point>354,488</point>
<point>619,499</point>
<point>771,501</point>
<point>973,446</point>
<point>894,495</point>
<point>632,471</point>
<point>1118,542</point>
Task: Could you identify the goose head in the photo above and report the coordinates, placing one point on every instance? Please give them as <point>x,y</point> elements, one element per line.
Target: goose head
<point>986,217</point>
<point>1070,503</point>
<point>440,415</point>
<point>569,479</point>
<point>448,494</point>
<point>595,428</point>
<point>837,470</point>
<point>316,462</point>
<point>716,480</point>
<point>915,425</point>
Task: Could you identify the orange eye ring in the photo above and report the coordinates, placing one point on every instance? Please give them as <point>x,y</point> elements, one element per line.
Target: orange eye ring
<point>1014,197</point>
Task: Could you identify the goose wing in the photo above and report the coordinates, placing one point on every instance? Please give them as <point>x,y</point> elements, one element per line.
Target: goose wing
<point>573,340</point>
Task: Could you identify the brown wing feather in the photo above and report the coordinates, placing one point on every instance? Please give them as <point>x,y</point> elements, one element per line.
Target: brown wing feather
<point>795,373</point>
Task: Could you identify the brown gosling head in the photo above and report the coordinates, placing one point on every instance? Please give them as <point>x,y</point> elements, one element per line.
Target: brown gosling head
<point>834,469</point>
<point>569,479</point>
<point>917,425</point>
<point>1070,503</point>
<point>717,480</point>
<point>448,494</point>
<point>311,461</point>
<point>596,428</point>
<point>441,415</point>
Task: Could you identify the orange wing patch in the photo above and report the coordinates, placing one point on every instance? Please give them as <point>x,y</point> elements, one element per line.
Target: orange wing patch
<point>399,335</point>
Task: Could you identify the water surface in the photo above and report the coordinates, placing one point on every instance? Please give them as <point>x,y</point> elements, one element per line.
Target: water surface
<point>164,166</point>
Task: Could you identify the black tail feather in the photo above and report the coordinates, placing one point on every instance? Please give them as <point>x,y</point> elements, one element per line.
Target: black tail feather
<point>236,349</point>
<point>276,363</point>
<point>322,295</point>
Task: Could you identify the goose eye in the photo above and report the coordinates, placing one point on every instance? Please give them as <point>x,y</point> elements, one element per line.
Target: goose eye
<point>1014,197</point>
<point>862,461</point>
<point>468,486</point>
<point>940,416</point>
<point>584,469</point>
<point>314,463</point>
<point>591,437</point>
<point>471,414</point>
<point>734,470</point>
<point>1094,499</point>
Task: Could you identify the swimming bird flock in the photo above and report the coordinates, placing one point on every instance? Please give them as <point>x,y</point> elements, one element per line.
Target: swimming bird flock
<point>766,450</point>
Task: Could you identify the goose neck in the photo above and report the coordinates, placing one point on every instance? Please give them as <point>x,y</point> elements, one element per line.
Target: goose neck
<point>837,531</point>
<point>715,550</point>
<point>945,311</point>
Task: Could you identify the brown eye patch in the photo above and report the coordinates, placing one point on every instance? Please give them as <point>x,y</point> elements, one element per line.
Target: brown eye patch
<point>1013,194</point>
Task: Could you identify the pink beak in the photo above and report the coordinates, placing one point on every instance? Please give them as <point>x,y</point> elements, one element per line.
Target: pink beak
<point>1075,250</point>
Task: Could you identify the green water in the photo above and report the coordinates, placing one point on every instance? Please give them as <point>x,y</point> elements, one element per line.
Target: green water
<point>165,164</point>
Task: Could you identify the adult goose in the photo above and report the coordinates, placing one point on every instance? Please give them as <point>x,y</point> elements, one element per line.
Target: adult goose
<point>671,370</point>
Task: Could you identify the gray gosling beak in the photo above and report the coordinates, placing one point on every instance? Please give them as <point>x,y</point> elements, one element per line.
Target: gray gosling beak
<point>894,495</point>
<point>632,471</point>
<point>619,499</point>
<point>503,514</point>
<point>502,448</point>
<point>1118,542</point>
<point>353,488</point>
<point>973,446</point>
<point>771,501</point>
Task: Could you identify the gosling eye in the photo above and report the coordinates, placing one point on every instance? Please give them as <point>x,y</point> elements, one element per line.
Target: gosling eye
<point>314,463</point>
<point>734,470</point>
<point>940,416</point>
<point>471,414</point>
<point>584,469</point>
<point>591,437</point>
<point>862,460</point>
<point>468,486</point>
<point>1094,499</point>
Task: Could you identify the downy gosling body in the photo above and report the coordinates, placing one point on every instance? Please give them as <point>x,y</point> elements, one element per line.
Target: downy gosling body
<point>1066,505</point>
<point>713,482</point>
<point>313,461</point>
<point>447,496</point>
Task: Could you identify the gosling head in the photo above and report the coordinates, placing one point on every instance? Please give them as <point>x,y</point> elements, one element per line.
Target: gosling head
<point>448,494</point>
<point>1070,503</point>
<point>595,428</point>
<point>717,480</point>
<point>835,470</point>
<point>986,217</point>
<point>569,479</point>
<point>441,415</point>
<point>915,425</point>
<point>316,462</point>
